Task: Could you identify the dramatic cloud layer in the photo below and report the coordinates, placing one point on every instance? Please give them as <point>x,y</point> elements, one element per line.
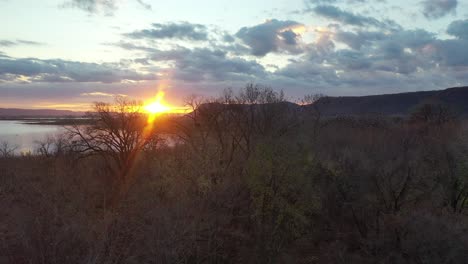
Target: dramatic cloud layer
<point>438,8</point>
<point>336,14</point>
<point>459,29</point>
<point>335,47</point>
<point>207,64</point>
<point>36,70</point>
<point>272,36</point>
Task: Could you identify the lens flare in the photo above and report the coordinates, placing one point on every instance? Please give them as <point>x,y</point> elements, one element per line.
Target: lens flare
<point>157,106</point>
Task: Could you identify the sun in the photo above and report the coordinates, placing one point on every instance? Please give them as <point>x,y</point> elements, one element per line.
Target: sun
<point>156,108</point>
<point>157,105</point>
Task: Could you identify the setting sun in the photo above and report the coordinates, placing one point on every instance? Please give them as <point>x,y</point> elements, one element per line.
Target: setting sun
<point>157,105</point>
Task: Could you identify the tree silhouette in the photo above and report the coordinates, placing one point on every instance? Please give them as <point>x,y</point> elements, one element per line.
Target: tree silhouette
<point>119,133</point>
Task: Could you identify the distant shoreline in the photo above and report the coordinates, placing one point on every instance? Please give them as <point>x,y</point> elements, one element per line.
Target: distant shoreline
<point>55,121</point>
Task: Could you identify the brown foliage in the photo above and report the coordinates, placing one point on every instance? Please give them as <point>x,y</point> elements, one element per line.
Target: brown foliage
<point>246,178</point>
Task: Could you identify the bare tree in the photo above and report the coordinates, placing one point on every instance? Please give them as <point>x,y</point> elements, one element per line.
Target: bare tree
<point>119,133</point>
<point>7,150</point>
<point>51,146</point>
<point>433,113</point>
<point>311,103</point>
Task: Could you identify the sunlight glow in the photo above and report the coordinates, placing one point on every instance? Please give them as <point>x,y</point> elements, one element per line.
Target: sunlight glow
<point>157,106</point>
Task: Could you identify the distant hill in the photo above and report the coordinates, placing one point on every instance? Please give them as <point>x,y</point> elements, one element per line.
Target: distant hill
<point>400,104</point>
<point>36,113</point>
<point>394,104</point>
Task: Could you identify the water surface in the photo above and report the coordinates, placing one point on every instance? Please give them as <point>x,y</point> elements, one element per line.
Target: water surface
<point>23,135</point>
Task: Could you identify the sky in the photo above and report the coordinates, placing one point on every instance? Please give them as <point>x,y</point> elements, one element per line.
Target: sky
<point>66,54</point>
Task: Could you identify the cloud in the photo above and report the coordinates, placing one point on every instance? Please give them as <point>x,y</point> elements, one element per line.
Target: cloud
<point>401,52</point>
<point>7,43</point>
<point>348,18</point>
<point>41,93</point>
<point>107,7</point>
<point>360,54</point>
<point>36,70</point>
<point>93,6</point>
<point>339,1</point>
<point>356,40</point>
<point>182,30</point>
<point>12,43</point>
<point>391,61</point>
<point>408,51</point>
<point>203,64</point>
<point>29,42</point>
<point>459,29</point>
<point>377,63</point>
<point>131,46</point>
<point>144,4</point>
<point>353,60</point>
<point>451,52</point>
<point>272,36</point>
<point>433,9</point>
<point>323,1</point>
